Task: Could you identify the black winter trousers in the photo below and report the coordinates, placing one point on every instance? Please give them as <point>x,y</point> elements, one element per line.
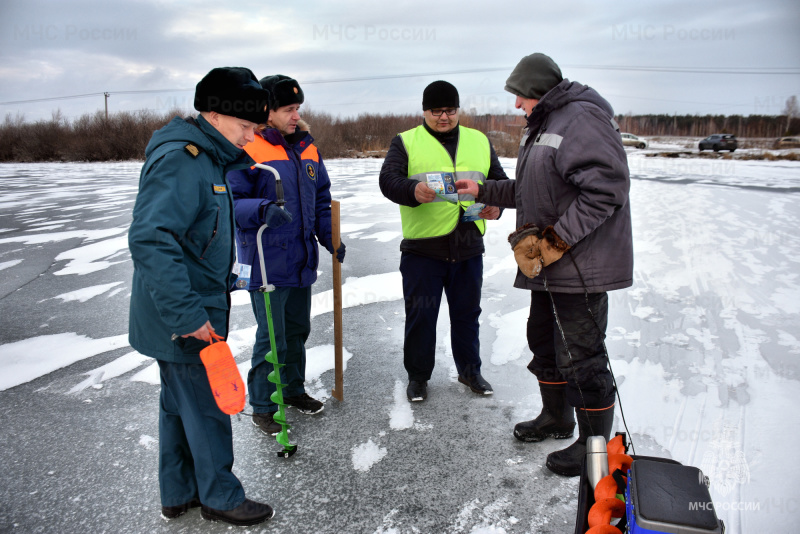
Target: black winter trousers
<point>424,280</point>
<point>583,367</point>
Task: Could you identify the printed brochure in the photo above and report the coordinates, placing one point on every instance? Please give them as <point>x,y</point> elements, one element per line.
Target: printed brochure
<point>471,213</point>
<point>444,185</point>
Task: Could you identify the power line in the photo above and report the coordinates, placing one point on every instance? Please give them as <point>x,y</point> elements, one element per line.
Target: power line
<point>698,70</point>
<point>51,98</point>
<point>685,70</point>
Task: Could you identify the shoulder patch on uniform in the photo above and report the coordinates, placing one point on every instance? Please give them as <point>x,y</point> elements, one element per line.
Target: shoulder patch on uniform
<point>193,150</point>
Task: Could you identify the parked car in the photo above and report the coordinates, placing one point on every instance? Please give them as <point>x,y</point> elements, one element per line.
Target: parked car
<point>788,142</point>
<point>629,139</point>
<point>719,142</point>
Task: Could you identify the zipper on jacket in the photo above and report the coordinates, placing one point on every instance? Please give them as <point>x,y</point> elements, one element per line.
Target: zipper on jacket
<point>213,235</point>
<point>542,129</point>
<point>298,161</point>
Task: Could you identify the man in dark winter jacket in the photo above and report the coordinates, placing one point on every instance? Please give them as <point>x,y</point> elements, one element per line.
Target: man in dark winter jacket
<point>573,245</point>
<point>441,249</point>
<point>181,243</point>
<point>289,245</point>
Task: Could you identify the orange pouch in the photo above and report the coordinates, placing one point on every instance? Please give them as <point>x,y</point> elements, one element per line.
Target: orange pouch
<point>223,376</point>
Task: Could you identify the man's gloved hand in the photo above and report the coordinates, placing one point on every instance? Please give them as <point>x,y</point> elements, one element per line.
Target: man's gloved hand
<point>551,246</point>
<point>274,217</point>
<point>340,252</point>
<point>528,257</point>
<point>525,242</point>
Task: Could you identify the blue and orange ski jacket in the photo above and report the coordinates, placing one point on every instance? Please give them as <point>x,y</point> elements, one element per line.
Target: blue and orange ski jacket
<point>291,251</point>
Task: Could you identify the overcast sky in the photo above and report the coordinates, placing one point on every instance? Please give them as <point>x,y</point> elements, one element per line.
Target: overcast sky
<point>733,57</point>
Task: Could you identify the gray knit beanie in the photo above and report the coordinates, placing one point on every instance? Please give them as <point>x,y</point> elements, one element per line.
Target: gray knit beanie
<point>533,76</point>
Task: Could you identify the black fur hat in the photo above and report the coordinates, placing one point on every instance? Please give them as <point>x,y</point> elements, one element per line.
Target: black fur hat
<point>285,90</point>
<point>233,91</point>
<point>440,94</point>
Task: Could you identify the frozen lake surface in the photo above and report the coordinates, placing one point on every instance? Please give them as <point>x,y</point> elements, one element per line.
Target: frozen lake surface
<point>704,347</point>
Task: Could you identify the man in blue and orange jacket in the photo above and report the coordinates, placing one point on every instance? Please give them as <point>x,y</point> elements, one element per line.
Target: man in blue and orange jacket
<point>289,245</point>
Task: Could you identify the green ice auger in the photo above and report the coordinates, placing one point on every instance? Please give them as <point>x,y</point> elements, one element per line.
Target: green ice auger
<point>272,356</point>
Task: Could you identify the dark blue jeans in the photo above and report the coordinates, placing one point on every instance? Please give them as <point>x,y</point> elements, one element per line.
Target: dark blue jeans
<point>424,279</point>
<point>195,441</point>
<point>589,382</point>
<point>291,320</point>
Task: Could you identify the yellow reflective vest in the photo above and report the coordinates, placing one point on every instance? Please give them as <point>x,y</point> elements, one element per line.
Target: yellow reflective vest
<point>426,155</point>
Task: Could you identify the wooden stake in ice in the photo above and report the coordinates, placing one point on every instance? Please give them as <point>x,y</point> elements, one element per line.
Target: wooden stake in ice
<point>336,392</point>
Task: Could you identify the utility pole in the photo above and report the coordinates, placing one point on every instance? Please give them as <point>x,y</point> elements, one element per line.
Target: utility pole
<point>106,95</point>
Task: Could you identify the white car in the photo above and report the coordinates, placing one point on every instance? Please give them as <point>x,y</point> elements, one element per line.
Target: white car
<point>629,139</point>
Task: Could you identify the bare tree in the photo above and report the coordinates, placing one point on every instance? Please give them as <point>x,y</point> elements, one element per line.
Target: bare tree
<point>791,111</point>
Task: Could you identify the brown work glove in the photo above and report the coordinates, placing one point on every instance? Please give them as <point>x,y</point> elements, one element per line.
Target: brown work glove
<point>551,246</point>
<point>534,249</point>
<point>525,242</point>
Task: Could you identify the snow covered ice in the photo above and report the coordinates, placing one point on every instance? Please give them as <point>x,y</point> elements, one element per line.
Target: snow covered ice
<point>704,347</point>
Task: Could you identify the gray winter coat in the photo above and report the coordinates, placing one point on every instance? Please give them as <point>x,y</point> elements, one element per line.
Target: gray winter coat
<point>572,173</point>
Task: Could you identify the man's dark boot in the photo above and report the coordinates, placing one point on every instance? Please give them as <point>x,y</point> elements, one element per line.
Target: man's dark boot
<point>567,462</point>
<point>246,514</point>
<point>556,420</point>
<point>417,390</point>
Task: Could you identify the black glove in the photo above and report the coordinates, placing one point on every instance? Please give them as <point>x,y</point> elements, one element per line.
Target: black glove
<point>274,217</point>
<point>340,252</point>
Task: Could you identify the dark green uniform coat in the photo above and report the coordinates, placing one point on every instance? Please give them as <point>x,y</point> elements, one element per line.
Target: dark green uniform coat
<point>181,240</point>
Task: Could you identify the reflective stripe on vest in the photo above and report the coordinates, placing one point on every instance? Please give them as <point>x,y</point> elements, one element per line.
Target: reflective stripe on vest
<point>427,155</point>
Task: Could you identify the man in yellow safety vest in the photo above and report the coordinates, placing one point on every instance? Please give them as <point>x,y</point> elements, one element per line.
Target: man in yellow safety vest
<point>442,247</point>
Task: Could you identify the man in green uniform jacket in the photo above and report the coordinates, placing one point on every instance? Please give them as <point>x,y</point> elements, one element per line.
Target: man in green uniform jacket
<point>181,243</point>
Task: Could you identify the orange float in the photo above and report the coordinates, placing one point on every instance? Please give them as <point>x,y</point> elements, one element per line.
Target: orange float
<point>602,511</point>
<point>619,461</point>
<point>616,445</point>
<point>223,376</point>
<point>606,488</point>
<point>604,529</point>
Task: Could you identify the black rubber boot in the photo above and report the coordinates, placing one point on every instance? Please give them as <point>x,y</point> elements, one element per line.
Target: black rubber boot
<point>556,420</point>
<point>567,462</point>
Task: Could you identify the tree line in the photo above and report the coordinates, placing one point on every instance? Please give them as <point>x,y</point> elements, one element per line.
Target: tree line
<point>758,126</point>
<point>123,136</point>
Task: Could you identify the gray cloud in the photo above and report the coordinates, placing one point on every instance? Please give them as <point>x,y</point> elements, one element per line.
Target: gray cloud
<point>51,48</point>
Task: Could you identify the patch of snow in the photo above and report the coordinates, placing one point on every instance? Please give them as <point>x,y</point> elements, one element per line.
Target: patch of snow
<point>82,295</point>
<point>366,455</point>
<point>359,291</point>
<point>7,264</point>
<point>401,415</point>
<point>87,259</point>
<point>148,442</point>
<point>150,375</point>
<point>511,341</point>
<point>113,369</point>
<point>31,358</point>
